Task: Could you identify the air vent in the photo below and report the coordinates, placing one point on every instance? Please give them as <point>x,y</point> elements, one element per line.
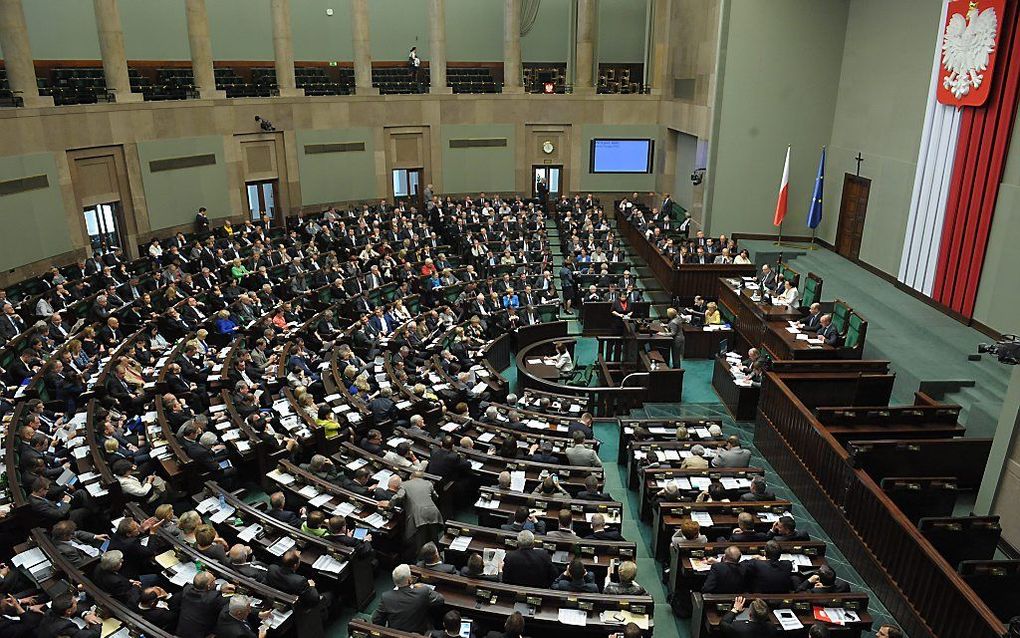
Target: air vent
<point>683,88</point>
<point>488,142</point>
<point>21,185</point>
<point>346,147</point>
<point>176,163</point>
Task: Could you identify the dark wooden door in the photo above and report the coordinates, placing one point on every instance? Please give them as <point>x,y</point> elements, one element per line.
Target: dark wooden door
<point>852,209</point>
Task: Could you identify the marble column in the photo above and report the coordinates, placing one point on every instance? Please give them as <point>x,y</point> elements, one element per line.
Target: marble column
<point>201,50</point>
<point>18,54</point>
<point>283,48</point>
<point>512,47</point>
<point>111,47</point>
<point>362,49</point>
<point>437,47</point>
<point>584,77</point>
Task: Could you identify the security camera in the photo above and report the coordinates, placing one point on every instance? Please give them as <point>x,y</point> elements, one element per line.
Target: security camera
<point>698,176</point>
<point>265,125</point>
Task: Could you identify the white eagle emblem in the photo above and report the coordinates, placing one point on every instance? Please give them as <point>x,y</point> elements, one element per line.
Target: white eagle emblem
<point>967,44</point>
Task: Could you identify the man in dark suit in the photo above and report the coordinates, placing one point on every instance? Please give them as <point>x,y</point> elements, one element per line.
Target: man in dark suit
<point>429,558</point>
<point>201,221</point>
<point>524,520</point>
<point>543,453</point>
<point>824,581</point>
<point>599,531</point>
<point>812,322</point>
<point>382,407</point>
<point>284,577</point>
<point>591,491</point>
<point>828,332</point>
<point>451,626</point>
<point>675,329</point>
<point>771,575</point>
<point>277,510</point>
<point>57,622</point>
<point>759,491</point>
<point>785,530</point>
<point>11,325</point>
<point>200,606</point>
<point>758,623</point>
<point>407,607</point>
<point>446,463</point>
<point>725,576</point>
<point>235,621</point>
<point>528,566</point>
<point>745,531</point>
<point>150,610</point>
<point>15,620</point>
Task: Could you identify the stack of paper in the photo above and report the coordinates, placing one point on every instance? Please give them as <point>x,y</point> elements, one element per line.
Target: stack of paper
<point>576,617</point>
<point>328,564</point>
<point>461,543</point>
<point>517,481</point>
<point>702,518</point>
<point>281,546</point>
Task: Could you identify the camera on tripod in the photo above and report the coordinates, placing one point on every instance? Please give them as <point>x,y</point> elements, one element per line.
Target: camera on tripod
<point>1006,349</point>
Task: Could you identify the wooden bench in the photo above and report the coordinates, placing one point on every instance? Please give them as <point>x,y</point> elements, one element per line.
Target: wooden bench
<point>962,538</point>
<point>667,517</point>
<point>963,458</point>
<point>922,495</point>
<point>710,608</point>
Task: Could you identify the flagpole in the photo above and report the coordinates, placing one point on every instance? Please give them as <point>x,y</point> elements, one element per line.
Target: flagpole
<point>779,240</point>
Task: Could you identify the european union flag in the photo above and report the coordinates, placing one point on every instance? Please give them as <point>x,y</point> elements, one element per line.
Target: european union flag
<point>814,216</point>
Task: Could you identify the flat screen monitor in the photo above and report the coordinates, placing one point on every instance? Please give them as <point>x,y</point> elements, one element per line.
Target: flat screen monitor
<point>621,155</point>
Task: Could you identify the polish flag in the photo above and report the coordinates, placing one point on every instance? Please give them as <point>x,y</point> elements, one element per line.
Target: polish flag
<point>784,190</point>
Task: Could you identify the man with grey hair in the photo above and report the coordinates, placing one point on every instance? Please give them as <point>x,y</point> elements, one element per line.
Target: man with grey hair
<point>697,460</point>
<point>107,577</point>
<point>237,622</point>
<point>759,491</point>
<point>408,607</point>
<point>528,566</point>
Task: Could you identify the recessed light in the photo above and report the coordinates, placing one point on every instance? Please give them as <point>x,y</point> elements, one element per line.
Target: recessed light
<point>329,12</point>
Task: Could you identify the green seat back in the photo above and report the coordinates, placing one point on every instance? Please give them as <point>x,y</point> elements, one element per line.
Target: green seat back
<point>840,312</point>
<point>810,291</point>
<point>853,331</point>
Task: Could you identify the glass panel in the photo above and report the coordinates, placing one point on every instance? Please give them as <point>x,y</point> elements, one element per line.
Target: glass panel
<point>90,222</point>
<point>554,180</point>
<point>253,200</point>
<point>413,177</point>
<point>400,183</point>
<point>267,197</point>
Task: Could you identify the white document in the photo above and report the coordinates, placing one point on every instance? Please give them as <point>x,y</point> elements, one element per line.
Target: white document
<point>382,476</point>
<point>517,481</point>
<point>461,543</point>
<point>328,564</point>
<point>576,617</point>
<point>249,533</point>
<point>225,512</point>
<point>788,619</point>
<point>344,509</point>
<point>376,520</point>
<point>700,482</point>
<point>183,573</point>
<point>320,500</point>
<point>308,491</point>
<point>702,518</point>
<point>281,546</point>
<point>486,437</point>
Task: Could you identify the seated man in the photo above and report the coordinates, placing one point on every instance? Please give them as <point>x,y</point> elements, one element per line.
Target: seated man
<point>745,531</point>
<point>770,575</point>
<point>599,531</point>
<point>408,606</point>
<point>576,579</point>
<point>733,455</point>
<point>725,576</point>
<point>785,529</point>
<point>824,581</point>
<point>759,491</point>
<point>524,520</point>
<point>429,558</point>
<point>591,491</point>
<point>528,566</point>
<point>758,623</point>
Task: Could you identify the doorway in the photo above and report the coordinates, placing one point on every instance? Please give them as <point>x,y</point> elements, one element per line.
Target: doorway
<point>102,223</point>
<point>551,175</point>
<point>263,196</point>
<point>852,209</point>
<point>407,185</point>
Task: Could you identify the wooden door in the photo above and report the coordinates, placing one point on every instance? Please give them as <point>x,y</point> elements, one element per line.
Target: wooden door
<point>852,209</point>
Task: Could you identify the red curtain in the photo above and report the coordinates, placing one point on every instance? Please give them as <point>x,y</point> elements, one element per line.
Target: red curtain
<point>977,172</point>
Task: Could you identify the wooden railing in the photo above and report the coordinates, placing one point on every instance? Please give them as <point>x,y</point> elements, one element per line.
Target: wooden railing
<point>908,575</point>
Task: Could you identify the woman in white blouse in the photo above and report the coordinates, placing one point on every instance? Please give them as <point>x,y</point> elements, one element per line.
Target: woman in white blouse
<point>790,295</point>
<point>564,362</point>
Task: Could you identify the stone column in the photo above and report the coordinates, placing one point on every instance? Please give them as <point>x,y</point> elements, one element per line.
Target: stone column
<point>283,48</point>
<point>201,50</point>
<point>111,47</point>
<point>437,47</point>
<point>658,48</point>
<point>362,49</point>
<point>512,47</point>
<point>584,80</point>
<point>18,54</point>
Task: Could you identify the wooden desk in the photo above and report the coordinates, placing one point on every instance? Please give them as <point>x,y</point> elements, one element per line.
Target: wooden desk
<point>667,517</point>
<point>710,608</point>
<point>751,316</point>
<point>596,555</point>
<point>643,453</point>
<point>652,480</point>
<point>687,569</point>
<point>741,401</point>
<point>785,345</point>
<point>657,430</point>
<point>462,594</point>
<point>544,507</point>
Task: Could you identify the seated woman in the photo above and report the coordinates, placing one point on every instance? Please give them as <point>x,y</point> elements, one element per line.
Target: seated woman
<point>743,258</point>
<point>626,586</point>
<point>790,295</point>
<point>475,568</point>
<point>224,324</point>
<point>712,315</point>
<point>576,578</point>
<point>564,362</point>
<point>238,270</point>
<point>689,532</point>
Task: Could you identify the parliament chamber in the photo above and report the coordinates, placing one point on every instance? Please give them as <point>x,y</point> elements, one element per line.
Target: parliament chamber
<point>506,319</point>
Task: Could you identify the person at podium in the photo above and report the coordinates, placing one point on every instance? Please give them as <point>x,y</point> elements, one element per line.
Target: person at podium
<point>621,310</point>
